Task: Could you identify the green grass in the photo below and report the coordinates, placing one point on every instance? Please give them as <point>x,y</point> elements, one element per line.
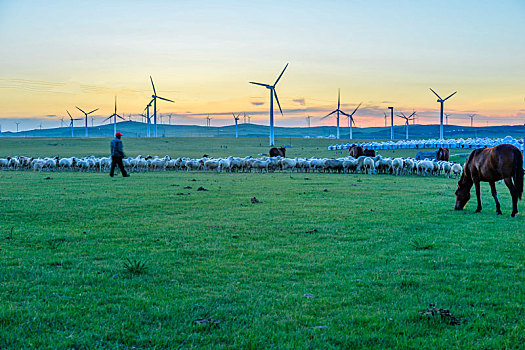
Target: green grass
<point>194,147</point>
<point>220,272</point>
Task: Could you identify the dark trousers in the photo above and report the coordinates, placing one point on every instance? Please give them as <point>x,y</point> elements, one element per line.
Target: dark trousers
<point>116,160</point>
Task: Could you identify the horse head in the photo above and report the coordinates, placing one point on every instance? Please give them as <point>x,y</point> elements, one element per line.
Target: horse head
<point>463,192</point>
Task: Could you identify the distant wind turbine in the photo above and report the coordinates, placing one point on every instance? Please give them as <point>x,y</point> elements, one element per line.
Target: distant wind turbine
<point>208,121</point>
<point>308,120</point>
<point>339,111</point>
<point>441,101</point>
<point>61,122</point>
<point>148,119</point>
<point>272,94</point>
<point>86,114</point>
<point>155,97</point>
<point>385,118</point>
<point>71,122</point>
<point>236,118</point>
<point>446,118</point>
<point>114,116</point>
<point>471,116</point>
<point>407,119</point>
<point>18,123</point>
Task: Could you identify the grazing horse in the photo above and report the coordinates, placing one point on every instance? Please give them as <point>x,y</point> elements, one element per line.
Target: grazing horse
<point>443,154</point>
<point>369,152</point>
<point>356,151</point>
<point>275,152</point>
<point>490,165</point>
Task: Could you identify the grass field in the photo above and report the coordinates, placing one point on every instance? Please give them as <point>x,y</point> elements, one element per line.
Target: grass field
<point>321,261</point>
<point>194,147</point>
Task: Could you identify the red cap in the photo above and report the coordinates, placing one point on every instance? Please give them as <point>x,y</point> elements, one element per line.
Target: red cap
<point>118,134</point>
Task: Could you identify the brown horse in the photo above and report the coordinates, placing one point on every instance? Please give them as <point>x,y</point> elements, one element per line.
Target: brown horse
<point>356,151</point>
<point>443,154</point>
<point>490,165</point>
<point>275,152</point>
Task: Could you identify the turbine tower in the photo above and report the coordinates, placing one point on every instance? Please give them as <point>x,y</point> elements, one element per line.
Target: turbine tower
<point>114,115</point>
<point>308,120</point>
<point>338,110</point>
<point>86,114</point>
<point>272,94</point>
<point>236,118</point>
<point>71,122</point>
<point>441,101</point>
<point>407,119</point>
<point>391,122</point>
<point>154,99</point>
<point>208,121</point>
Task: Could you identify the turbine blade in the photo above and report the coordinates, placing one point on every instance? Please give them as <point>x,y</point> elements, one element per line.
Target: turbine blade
<point>326,116</point>
<point>265,85</point>
<point>343,113</point>
<point>93,111</point>
<point>353,121</point>
<point>108,118</point>
<point>338,98</point>
<point>80,110</point>
<point>69,114</point>
<point>435,93</point>
<point>154,92</point>
<point>165,99</point>
<point>277,99</point>
<point>450,96</point>
<point>120,117</point>
<point>280,74</point>
<point>355,110</point>
<point>413,113</point>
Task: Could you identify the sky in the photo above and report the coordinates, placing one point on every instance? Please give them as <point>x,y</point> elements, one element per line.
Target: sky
<point>55,55</point>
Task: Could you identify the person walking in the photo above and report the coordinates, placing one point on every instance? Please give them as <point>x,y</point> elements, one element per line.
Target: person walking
<point>117,153</point>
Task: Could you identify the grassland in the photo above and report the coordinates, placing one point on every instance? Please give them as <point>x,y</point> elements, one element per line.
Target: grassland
<point>322,261</point>
<point>194,147</point>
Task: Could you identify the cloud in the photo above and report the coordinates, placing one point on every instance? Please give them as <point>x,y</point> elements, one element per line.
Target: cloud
<point>257,103</point>
<point>300,101</point>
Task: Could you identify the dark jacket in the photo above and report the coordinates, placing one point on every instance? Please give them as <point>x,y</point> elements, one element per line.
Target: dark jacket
<point>116,148</point>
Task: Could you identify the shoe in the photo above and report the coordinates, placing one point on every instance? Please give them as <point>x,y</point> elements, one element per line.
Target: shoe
<point>127,175</point>
<point>111,175</point>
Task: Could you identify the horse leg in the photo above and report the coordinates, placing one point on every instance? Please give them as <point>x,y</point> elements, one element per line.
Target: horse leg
<point>495,195</point>
<point>478,195</point>
<point>514,194</point>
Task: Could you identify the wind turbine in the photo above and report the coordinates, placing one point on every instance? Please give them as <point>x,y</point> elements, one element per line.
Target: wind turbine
<point>155,97</point>
<point>61,122</point>
<point>148,119</point>
<point>471,116</point>
<point>71,122</point>
<point>114,115</point>
<point>407,119</point>
<point>339,111</point>
<point>272,94</point>
<point>351,120</point>
<point>308,119</point>
<point>385,118</point>
<point>86,114</point>
<point>236,118</point>
<point>208,121</point>
<point>446,118</point>
<point>18,123</point>
<point>441,101</point>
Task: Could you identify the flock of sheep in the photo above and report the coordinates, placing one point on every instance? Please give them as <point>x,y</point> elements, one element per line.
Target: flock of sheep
<point>362,165</point>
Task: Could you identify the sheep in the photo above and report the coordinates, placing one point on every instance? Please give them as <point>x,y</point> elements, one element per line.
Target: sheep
<point>456,170</point>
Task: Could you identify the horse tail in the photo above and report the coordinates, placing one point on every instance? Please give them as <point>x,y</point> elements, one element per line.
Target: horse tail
<point>518,172</point>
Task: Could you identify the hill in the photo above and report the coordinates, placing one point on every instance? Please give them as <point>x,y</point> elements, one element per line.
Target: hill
<point>138,129</point>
